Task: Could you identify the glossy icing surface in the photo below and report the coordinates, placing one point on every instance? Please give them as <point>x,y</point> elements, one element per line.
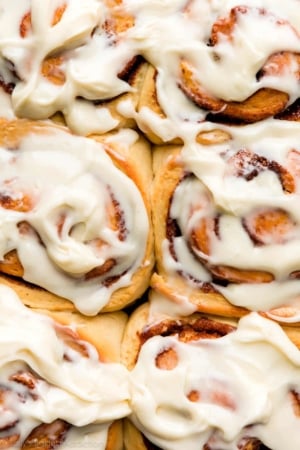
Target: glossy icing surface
<point>43,379</point>
<point>219,392</point>
<point>74,218</point>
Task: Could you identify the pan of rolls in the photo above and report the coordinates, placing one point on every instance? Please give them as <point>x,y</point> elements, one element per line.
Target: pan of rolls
<point>149,224</point>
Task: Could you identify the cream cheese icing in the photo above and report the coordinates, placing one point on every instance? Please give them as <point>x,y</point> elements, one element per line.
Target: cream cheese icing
<point>90,57</point>
<point>217,191</point>
<point>244,382</point>
<point>81,390</point>
<point>67,188</point>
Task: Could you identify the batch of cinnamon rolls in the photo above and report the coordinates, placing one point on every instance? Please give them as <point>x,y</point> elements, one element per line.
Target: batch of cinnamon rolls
<point>150,224</point>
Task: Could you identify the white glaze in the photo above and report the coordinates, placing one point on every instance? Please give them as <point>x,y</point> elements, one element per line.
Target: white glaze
<point>219,191</point>
<point>76,389</point>
<point>163,33</point>
<point>72,177</point>
<point>244,379</point>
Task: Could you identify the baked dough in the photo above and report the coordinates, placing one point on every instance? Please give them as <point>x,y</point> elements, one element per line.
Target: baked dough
<point>127,213</point>
<point>224,211</point>
<point>50,378</point>
<point>144,326</point>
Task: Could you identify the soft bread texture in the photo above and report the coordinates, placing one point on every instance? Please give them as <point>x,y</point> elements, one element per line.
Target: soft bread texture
<point>36,297</point>
<point>197,276</point>
<point>134,161</point>
<point>105,333</point>
<point>263,104</point>
<point>205,302</point>
<point>140,319</point>
<point>169,170</point>
<point>142,325</point>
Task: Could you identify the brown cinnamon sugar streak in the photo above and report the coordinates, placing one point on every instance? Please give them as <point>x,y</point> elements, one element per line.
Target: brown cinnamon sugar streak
<point>265,102</point>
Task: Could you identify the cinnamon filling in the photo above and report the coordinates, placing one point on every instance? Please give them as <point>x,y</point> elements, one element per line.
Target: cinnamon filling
<point>265,102</point>
<point>117,220</point>
<point>72,340</point>
<point>216,393</point>
<point>20,203</point>
<point>119,21</point>
<point>187,330</point>
<point>249,165</point>
<point>26,22</point>
<point>265,226</point>
<point>50,67</point>
<point>167,359</point>
<point>47,436</point>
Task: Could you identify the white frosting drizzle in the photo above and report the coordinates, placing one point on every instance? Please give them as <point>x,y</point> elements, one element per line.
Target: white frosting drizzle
<point>215,191</point>
<point>92,57</point>
<point>162,307</point>
<point>80,390</point>
<point>243,379</point>
<point>71,181</point>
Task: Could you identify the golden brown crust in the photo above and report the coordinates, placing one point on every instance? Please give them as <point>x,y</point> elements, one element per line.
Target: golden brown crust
<point>118,20</point>
<point>168,172</point>
<point>135,162</point>
<point>36,297</point>
<point>115,436</point>
<point>131,343</point>
<point>13,131</point>
<point>264,103</point>
<point>291,113</point>
<point>148,99</point>
<point>135,76</point>
<point>216,304</point>
<point>133,438</point>
<point>104,331</point>
<point>141,327</point>
<point>52,435</point>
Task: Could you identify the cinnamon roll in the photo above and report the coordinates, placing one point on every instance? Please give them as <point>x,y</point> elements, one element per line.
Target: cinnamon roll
<point>68,57</point>
<point>200,60</point>
<point>205,382</point>
<point>220,61</point>
<point>256,90</point>
<point>62,384</point>
<point>227,225</point>
<point>75,216</point>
